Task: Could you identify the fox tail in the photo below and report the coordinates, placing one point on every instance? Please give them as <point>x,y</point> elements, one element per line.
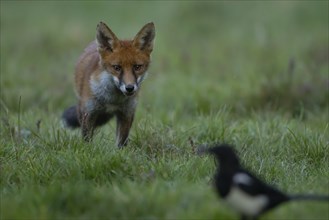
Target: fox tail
<point>70,117</point>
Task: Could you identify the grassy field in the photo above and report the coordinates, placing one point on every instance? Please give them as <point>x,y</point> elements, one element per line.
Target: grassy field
<point>253,74</point>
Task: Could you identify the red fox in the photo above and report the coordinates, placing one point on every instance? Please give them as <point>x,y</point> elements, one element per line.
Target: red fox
<point>108,76</point>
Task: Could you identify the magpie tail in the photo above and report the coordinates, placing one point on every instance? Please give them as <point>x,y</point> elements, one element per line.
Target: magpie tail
<point>309,197</point>
<point>70,117</point>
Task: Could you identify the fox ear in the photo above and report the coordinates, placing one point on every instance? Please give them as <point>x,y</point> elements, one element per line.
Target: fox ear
<point>145,37</point>
<point>105,38</point>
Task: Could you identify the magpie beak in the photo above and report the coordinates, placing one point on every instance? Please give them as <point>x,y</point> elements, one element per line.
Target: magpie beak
<point>242,190</point>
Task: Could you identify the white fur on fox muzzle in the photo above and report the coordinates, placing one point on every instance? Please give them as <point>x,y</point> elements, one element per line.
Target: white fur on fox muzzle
<point>141,78</point>
<point>125,89</point>
<point>128,89</point>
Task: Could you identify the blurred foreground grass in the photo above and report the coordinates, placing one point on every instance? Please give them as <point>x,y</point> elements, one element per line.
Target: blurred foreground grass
<point>254,74</point>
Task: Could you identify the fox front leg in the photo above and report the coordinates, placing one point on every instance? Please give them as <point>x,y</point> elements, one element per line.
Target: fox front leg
<point>124,123</point>
<point>88,126</point>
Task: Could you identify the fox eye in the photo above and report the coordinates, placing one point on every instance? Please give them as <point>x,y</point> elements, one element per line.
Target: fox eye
<point>137,67</point>
<point>117,68</point>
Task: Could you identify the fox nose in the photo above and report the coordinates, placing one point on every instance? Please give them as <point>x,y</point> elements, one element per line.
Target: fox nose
<point>130,88</point>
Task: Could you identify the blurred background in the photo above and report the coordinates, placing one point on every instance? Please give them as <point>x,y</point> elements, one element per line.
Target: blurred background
<point>248,55</point>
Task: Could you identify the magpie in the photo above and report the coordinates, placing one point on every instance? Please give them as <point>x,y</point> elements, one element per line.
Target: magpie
<point>243,191</point>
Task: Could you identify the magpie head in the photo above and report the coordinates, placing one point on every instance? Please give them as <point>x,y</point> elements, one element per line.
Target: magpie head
<point>226,155</point>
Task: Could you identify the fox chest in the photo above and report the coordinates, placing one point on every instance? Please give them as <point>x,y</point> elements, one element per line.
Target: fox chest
<point>106,97</point>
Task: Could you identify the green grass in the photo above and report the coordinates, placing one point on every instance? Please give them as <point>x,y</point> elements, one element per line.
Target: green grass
<point>253,74</point>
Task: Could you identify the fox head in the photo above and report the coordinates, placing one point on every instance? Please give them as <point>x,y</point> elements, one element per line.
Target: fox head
<point>125,60</point>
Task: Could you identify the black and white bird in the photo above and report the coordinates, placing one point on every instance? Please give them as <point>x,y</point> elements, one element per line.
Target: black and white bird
<point>243,191</point>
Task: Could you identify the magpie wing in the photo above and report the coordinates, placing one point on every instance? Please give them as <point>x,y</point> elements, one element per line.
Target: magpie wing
<point>249,183</point>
